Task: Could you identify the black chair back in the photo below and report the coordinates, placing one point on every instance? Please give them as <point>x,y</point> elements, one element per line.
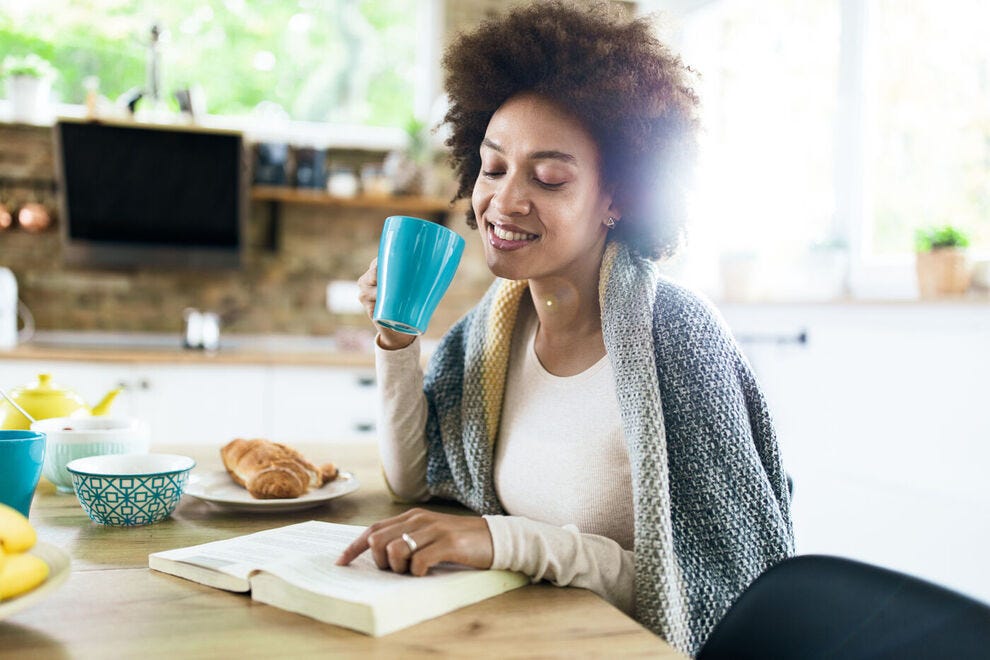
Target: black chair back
<point>815,606</point>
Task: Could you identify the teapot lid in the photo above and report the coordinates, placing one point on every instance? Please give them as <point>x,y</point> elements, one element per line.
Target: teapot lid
<point>44,387</point>
<point>44,382</point>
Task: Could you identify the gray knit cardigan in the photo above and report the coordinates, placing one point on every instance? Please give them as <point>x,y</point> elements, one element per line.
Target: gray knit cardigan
<point>711,505</point>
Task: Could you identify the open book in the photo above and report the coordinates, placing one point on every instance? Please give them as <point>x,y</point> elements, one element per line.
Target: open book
<point>293,568</point>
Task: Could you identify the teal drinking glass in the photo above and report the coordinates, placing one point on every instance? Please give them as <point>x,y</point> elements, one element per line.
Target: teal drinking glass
<point>21,456</point>
<point>417,260</point>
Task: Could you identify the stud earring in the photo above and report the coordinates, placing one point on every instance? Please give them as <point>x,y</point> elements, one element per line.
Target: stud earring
<point>610,221</point>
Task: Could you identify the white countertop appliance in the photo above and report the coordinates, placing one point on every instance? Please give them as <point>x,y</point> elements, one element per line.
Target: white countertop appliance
<point>9,306</point>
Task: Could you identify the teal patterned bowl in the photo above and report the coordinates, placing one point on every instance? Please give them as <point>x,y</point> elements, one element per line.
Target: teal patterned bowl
<point>125,490</point>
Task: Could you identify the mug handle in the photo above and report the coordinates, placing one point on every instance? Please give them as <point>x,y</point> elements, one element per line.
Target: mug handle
<point>27,332</point>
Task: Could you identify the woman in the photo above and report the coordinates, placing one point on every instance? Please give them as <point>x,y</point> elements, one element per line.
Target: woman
<point>599,417</point>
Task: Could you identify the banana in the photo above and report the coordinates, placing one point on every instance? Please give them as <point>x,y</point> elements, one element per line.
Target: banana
<point>16,533</point>
<point>21,573</point>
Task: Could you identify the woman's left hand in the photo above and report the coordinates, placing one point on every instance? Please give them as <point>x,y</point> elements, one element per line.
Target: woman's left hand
<point>438,537</point>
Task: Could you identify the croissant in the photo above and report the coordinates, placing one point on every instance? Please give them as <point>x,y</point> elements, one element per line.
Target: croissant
<point>269,470</point>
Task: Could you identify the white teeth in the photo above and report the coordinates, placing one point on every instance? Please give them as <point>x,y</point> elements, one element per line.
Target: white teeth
<point>511,235</point>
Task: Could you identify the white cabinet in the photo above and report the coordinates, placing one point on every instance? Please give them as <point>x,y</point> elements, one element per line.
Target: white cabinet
<point>181,403</point>
<point>310,404</point>
<point>201,404</point>
<point>214,403</point>
<point>883,418</point>
<point>89,380</point>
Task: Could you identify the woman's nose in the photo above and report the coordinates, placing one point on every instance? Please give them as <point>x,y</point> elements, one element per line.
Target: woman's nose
<point>511,198</point>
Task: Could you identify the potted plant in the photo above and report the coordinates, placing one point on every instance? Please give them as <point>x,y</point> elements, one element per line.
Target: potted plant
<point>29,80</point>
<point>941,261</point>
<point>405,168</point>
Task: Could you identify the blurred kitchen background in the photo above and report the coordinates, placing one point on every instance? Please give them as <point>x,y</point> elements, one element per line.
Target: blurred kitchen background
<point>840,221</point>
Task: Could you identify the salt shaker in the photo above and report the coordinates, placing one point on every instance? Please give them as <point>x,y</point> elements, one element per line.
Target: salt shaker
<point>210,334</point>
<point>193,335</point>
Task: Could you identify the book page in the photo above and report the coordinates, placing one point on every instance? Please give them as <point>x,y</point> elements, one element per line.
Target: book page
<point>361,580</point>
<point>305,555</point>
<point>318,572</point>
<point>242,555</point>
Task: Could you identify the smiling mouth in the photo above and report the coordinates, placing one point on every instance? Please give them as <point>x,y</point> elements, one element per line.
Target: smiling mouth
<point>510,236</point>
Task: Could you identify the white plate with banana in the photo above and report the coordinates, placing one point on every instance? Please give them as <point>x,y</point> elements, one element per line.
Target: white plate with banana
<point>58,570</point>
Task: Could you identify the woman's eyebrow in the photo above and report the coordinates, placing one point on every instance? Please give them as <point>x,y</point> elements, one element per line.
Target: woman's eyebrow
<point>552,154</point>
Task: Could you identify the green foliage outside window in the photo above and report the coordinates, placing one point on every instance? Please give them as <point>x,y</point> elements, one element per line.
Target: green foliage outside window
<point>347,61</point>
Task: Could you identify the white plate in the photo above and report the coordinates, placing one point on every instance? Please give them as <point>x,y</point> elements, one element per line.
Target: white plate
<point>219,489</point>
<point>58,570</point>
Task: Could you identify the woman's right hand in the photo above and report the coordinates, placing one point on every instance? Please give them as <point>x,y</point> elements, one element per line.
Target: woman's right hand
<point>368,293</point>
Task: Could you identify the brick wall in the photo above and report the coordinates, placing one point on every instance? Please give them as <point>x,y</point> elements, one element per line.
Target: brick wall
<point>281,291</point>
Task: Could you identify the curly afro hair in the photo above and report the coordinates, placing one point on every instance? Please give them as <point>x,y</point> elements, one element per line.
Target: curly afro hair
<point>628,89</point>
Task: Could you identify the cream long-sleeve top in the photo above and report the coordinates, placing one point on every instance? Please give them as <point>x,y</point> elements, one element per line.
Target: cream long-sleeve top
<point>562,469</point>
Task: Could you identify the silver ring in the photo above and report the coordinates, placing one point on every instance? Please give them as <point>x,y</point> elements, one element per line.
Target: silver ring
<point>413,546</point>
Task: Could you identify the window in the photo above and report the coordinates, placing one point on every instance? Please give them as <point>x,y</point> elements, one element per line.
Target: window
<point>835,124</point>
<point>767,78</point>
<point>339,61</point>
<point>928,120</point>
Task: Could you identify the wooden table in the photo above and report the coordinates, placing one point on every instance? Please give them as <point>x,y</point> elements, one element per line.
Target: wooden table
<point>113,606</point>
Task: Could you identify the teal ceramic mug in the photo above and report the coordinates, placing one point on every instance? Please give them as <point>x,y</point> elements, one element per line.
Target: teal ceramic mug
<point>417,260</point>
<point>22,454</point>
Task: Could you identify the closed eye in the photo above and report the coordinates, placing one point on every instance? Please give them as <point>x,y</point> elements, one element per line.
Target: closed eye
<point>549,186</point>
<point>491,174</point>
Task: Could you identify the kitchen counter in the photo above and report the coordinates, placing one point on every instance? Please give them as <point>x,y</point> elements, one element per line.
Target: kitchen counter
<point>167,348</point>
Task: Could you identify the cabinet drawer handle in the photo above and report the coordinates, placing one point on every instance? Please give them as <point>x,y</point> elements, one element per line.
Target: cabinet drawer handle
<point>800,338</point>
<point>366,381</point>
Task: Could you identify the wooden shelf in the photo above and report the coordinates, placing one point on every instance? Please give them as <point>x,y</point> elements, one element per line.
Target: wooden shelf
<point>409,204</point>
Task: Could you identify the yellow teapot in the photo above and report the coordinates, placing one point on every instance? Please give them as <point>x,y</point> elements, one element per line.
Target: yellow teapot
<point>43,399</point>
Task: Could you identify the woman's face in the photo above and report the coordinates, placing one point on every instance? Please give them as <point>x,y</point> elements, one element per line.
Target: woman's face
<point>538,199</point>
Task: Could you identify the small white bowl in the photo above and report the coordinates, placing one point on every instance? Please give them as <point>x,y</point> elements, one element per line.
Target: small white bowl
<point>69,438</point>
<point>124,490</point>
